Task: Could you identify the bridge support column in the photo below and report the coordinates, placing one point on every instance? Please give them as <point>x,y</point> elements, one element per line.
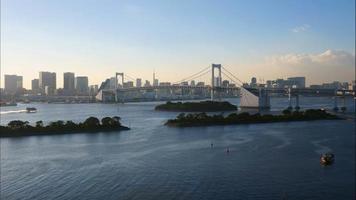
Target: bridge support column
<point>335,104</point>
<point>289,99</point>
<point>343,108</point>
<point>297,107</point>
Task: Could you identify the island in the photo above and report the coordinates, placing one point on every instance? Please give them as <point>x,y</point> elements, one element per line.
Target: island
<point>202,106</point>
<point>202,119</point>
<point>18,128</point>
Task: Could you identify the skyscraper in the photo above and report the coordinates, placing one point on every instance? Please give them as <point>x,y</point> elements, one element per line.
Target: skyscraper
<point>48,79</point>
<point>12,83</point>
<point>138,82</point>
<point>68,83</point>
<point>35,85</point>
<point>81,85</point>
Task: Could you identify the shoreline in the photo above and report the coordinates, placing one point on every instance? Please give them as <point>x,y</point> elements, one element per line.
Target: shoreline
<point>202,119</point>
<point>64,132</point>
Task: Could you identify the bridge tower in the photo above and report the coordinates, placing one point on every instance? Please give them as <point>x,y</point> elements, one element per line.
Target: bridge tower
<point>215,81</point>
<point>117,86</point>
<point>116,80</point>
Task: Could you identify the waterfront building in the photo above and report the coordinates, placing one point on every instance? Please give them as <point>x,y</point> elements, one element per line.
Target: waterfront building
<point>128,84</point>
<point>200,84</point>
<point>35,85</point>
<point>68,83</point>
<point>164,84</point>
<point>48,79</point>
<point>93,90</point>
<point>297,82</point>
<point>12,83</point>
<point>81,85</point>
<point>225,83</point>
<point>138,82</point>
<point>192,83</point>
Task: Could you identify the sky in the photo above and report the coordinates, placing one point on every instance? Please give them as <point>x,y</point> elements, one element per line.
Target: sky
<point>96,38</point>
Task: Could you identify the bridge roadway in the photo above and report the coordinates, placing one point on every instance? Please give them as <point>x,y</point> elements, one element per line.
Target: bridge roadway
<point>293,91</point>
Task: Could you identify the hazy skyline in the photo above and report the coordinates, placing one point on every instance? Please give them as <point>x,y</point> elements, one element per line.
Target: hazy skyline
<point>266,39</point>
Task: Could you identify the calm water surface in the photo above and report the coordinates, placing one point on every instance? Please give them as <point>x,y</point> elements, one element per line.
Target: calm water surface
<point>151,161</point>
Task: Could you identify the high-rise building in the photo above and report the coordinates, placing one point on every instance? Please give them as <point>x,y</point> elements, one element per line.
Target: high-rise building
<point>35,85</point>
<point>93,90</point>
<point>138,82</point>
<point>68,83</point>
<point>192,83</point>
<point>48,79</point>
<point>147,83</point>
<point>81,85</point>
<point>12,83</point>
<point>156,82</point>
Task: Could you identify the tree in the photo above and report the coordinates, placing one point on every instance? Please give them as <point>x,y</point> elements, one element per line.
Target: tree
<point>107,121</point>
<point>39,124</point>
<point>286,112</point>
<point>92,122</point>
<point>17,124</point>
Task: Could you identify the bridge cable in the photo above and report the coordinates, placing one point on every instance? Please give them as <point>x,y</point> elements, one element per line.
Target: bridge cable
<point>189,77</point>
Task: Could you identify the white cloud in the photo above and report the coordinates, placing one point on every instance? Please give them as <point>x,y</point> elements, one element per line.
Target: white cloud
<point>301,28</point>
<point>327,58</point>
<point>327,66</point>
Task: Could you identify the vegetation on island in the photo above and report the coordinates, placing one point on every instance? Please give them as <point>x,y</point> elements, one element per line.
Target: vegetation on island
<point>18,128</point>
<point>202,106</point>
<point>202,119</point>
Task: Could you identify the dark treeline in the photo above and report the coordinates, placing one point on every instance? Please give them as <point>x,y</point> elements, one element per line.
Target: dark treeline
<point>202,106</point>
<point>92,124</point>
<point>202,119</point>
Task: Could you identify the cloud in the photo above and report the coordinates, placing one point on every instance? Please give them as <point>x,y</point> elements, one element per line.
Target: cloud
<point>301,28</point>
<point>327,58</point>
<point>321,67</point>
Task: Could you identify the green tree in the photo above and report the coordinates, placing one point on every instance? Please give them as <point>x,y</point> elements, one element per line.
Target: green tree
<point>17,124</point>
<point>39,124</point>
<point>92,122</point>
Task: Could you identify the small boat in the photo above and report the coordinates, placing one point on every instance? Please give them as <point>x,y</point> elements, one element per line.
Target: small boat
<point>31,109</point>
<point>327,159</point>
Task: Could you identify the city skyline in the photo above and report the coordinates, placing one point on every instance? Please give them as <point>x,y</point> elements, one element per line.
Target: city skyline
<point>178,39</point>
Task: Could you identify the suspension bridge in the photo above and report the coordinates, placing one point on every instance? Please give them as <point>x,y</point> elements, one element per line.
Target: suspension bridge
<point>232,86</point>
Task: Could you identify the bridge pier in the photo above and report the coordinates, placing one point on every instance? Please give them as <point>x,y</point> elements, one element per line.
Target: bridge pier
<point>289,100</point>
<point>343,108</point>
<point>335,104</point>
<point>297,107</point>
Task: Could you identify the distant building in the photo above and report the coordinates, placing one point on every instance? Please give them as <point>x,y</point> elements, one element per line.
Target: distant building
<point>68,83</point>
<point>147,83</point>
<point>297,82</point>
<point>81,85</point>
<point>156,82</point>
<point>48,79</point>
<point>184,83</point>
<point>35,85</point>
<point>192,83</point>
<point>12,83</point>
<point>128,84</point>
<point>93,90</point>
<point>200,84</point>
<point>253,82</point>
<point>164,84</point>
<point>138,82</point>
<point>291,82</point>
<point>225,83</point>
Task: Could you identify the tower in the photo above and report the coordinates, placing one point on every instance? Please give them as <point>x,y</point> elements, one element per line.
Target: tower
<point>218,79</point>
